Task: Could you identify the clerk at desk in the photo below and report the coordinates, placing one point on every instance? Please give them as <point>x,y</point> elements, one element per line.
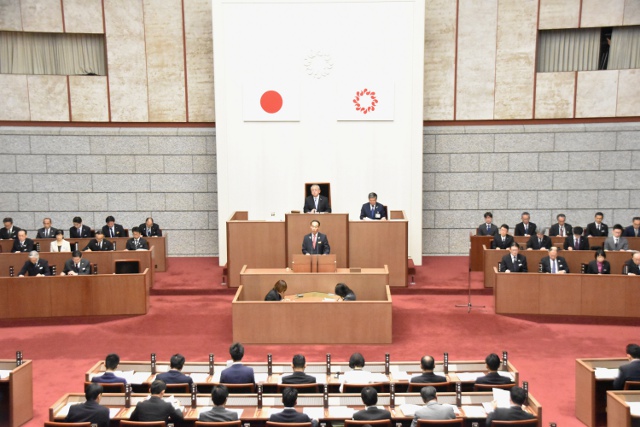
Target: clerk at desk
<point>373,210</point>
<point>315,243</point>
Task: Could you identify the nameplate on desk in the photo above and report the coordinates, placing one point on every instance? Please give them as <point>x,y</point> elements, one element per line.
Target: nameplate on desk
<point>355,270</point>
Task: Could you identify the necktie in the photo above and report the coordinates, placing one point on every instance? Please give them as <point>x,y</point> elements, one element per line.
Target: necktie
<point>100,245</point>
<point>554,269</point>
<point>598,227</point>
<point>616,242</point>
<point>315,200</point>
<point>562,231</point>
<point>540,242</point>
<point>79,231</point>
<point>526,227</point>
<point>373,211</point>
<point>515,266</point>
<point>46,232</point>
<point>488,228</point>
<point>314,241</point>
<point>113,234</point>
<point>148,232</point>
<point>136,243</point>
<point>576,244</point>
<point>77,267</point>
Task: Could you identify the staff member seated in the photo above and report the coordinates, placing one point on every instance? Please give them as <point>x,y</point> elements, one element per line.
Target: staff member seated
<point>576,242</point>
<point>99,243</point>
<point>630,371</point>
<point>514,262</point>
<point>599,265</point>
<point>503,240</point>
<point>35,266</point>
<point>218,413</point>
<point>373,210</point>
<point>112,229</point>
<point>428,364</point>
<point>493,377</point>
<point>150,229</point>
<point>517,396</point>
<point>76,265</point>
<point>9,231</point>
<point>23,243</point>
<point>155,408</point>
<point>111,363</point>
<point>277,293</point>
<point>299,363</point>
<point>60,245</point>
<point>315,203</point>
<point>432,410</point>
<point>289,413</point>
<point>136,242</point>
<point>554,263</point>
<point>344,292</point>
<point>616,242</point>
<point>78,230</point>
<point>91,410</point>
<point>315,243</point>
<point>371,412</point>
<point>633,265</point>
<point>174,375</point>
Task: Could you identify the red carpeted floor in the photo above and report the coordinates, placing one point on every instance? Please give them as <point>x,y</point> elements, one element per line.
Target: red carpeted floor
<point>190,313</point>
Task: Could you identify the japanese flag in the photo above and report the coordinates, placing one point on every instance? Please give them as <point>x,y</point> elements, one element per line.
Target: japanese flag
<point>365,99</point>
<point>271,101</point>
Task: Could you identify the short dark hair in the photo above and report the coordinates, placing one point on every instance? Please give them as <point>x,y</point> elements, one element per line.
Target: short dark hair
<point>428,393</point>
<point>577,230</point>
<point>98,231</point>
<point>427,363</point>
<point>8,219</point>
<point>177,361</point>
<point>488,214</point>
<point>618,227</point>
<point>219,394</point>
<point>373,195</point>
<point>636,218</point>
<point>112,361</point>
<point>148,218</point>
<point>135,229</point>
<point>633,350</point>
<point>525,213</point>
<point>299,361</point>
<point>316,221</point>
<point>59,232</point>
<point>77,219</point>
<point>289,397</point>
<point>600,252</point>
<point>493,361</point>
<point>518,395</point>
<point>109,219</point>
<point>92,391</point>
<point>599,213</point>
<point>356,361</point>
<point>342,290</point>
<point>514,244</point>
<point>505,226</point>
<point>158,386</point>
<point>236,351</point>
<point>76,254</point>
<point>369,396</point>
<point>561,215</point>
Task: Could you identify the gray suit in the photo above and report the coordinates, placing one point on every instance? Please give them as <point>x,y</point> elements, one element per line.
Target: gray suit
<point>609,245</point>
<point>71,266</point>
<point>218,414</point>
<point>433,411</point>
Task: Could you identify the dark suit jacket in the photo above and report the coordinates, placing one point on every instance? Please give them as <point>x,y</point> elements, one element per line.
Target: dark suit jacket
<point>498,243</point>
<point>118,229</point>
<point>555,230</point>
<point>90,411</point>
<point>493,378</point>
<point>298,378</point>
<point>289,415</point>
<point>109,378</point>
<point>31,269</point>
<point>365,212</point>
<point>628,372</point>
<point>73,232</point>
<point>531,229</point>
<point>28,245</point>
<point>592,268</point>
<point>273,295</point>
<point>52,233</point>
<point>173,376</point>
<point>633,268</point>
<point>323,204</point>
<point>237,374</point>
<point>218,414</point>
<point>155,409</point>
<point>546,264</point>
<point>583,245</point>
<point>513,413</point>
<point>629,232</point>
<point>534,243</point>
<point>592,230</point>
<point>93,245</point>
<point>507,264</point>
<point>428,377</point>
<point>142,244</point>
<point>372,413</point>
<point>85,268</point>
<point>322,245</point>
<point>155,230</point>
<point>4,233</point>
<point>482,230</point>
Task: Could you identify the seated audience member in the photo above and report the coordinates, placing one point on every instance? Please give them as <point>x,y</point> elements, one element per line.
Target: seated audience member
<point>357,375</point>
<point>110,364</point>
<point>23,243</point>
<point>315,242</point>
<point>633,265</point>
<point>174,375</point>
<point>503,240</point>
<point>237,373</point>
<point>136,242</point>
<point>597,228</point>
<point>428,364</point>
<point>315,203</point>
<point>513,262</point>
<point>373,210</point>
<point>46,232</point>
<point>577,242</point>
<point>525,228</point>
<point>487,228</point>
<point>277,293</point>
<point>554,263</point>
<point>76,265</point>
<point>150,229</point>
<point>634,229</point>
<point>345,292</point>
<point>432,410</point>
<point>493,377</point>
<point>78,230</point>
<point>35,266</point>
<point>616,242</point>
<point>599,265</point>
<point>371,412</point>
<point>155,408</point>
<point>561,228</point>
<point>289,413</point>
<point>111,229</point>
<point>631,370</point>
<point>539,241</point>
<point>59,245</point>
<point>218,413</point>
<point>90,410</point>
<point>299,363</point>
<point>99,243</point>
<point>9,231</point>
<point>515,412</point>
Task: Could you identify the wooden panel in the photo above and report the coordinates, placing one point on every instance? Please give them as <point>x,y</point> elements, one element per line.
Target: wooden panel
<point>597,93</point>
<point>21,393</point>
<point>618,412</point>
<point>71,295</point>
<point>48,98</point>
<point>10,19</point>
<point>560,294</point>
<point>598,13</point>
<point>28,297</point>
<point>14,93</point>
<point>108,296</point>
<point>631,308</point>
<point>585,394</point>
<point>89,98</point>
<point>628,93</point>
<point>492,257</point>
<point>604,296</point>
<point>335,226</point>
<point>83,16</point>
<point>41,16</point>
<point>559,14</point>
<point>554,95</point>
<point>517,293</point>
<point>476,251</point>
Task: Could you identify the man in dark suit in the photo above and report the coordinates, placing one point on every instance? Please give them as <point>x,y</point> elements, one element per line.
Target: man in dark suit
<point>315,243</point>
<point>597,228</point>
<point>561,228</point>
<point>539,241</point>
<point>99,243</point>
<point>46,232</point>
<point>515,412</point>
<point>174,375</point>
<point>110,364</point>
<point>91,410</point>
<point>9,231</point>
<point>554,263</point>
<point>630,371</point>
<point>289,414</point>
<point>218,413</point>
<point>513,262</point>
<point>634,229</point>
<point>493,377</point>
<point>76,265</point>
<point>237,373</point>
<point>155,408</point>
<point>315,203</point>
<point>525,228</point>
<point>487,228</point>
<point>35,266</point>
<point>428,364</point>
<point>633,265</point>
<point>371,412</point>
<point>23,243</point>
<point>78,230</point>
<point>577,242</point>
<point>136,242</point>
<point>373,210</point>
<point>298,364</point>
<point>502,240</point>
<point>111,229</point>
<point>150,229</point>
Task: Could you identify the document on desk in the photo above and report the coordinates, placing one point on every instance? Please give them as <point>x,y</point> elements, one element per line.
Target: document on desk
<point>474,411</point>
<point>64,411</point>
<point>113,412</point>
<point>506,374</point>
<point>469,376</point>
<point>200,377</point>
<point>320,379</point>
<point>401,376</point>
<point>635,408</point>
<point>502,397</point>
<point>409,410</point>
<point>341,412</point>
<point>377,377</point>
<point>4,374</point>
<point>606,373</point>
<point>260,377</point>
<point>139,377</point>
<point>314,412</point>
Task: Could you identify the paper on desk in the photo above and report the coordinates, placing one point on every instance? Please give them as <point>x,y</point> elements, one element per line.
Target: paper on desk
<point>506,374</point>
<point>502,397</point>
<point>401,376</point>
<point>314,412</point>
<point>469,376</point>
<point>261,377</point>
<point>341,412</point>
<point>64,411</point>
<point>474,411</point>
<point>456,410</point>
<point>377,377</point>
<point>113,412</point>
<point>635,408</point>
<point>320,379</point>
<point>606,373</point>
<point>409,410</point>
<point>200,377</point>
<point>4,374</point>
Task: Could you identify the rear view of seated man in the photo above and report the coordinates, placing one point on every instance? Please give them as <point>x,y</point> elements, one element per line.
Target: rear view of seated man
<point>299,363</point>
<point>539,241</point>
<point>503,240</point>
<point>46,232</point>
<point>513,262</point>
<point>76,265</point>
<point>175,375</point>
<point>371,412</point>
<point>289,413</point>
<point>35,266</point>
<point>428,365</point>
<point>111,229</point>
<point>155,408</point>
<point>237,373</point>
<point>487,228</point>
<point>493,377</point>
<point>218,413</point>
<point>110,364</point>
<point>432,410</point>
<point>23,243</point>
<point>515,412</point>
<point>99,243</point>
<point>633,265</point>
<point>631,370</point>
<point>9,231</point>
<point>576,242</point>
<point>150,229</point>
<point>136,242</point>
<point>554,263</point>
<point>78,230</point>
<point>91,410</point>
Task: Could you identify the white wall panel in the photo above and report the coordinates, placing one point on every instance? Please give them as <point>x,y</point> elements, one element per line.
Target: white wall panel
<point>628,93</point>
<point>83,16</point>
<point>41,16</point>
<point>89,99</point>
<point>15,97</point>
<point>559,14</point>
<point>598,13</point>
<point>48,98</point>
<point>10,16</point>
<point>597,93</point>
<point>554,95</point>
<point>631,12</point>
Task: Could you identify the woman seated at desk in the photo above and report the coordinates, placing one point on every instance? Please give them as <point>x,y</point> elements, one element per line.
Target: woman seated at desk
<point>277,293</point>
<point>60,245</point>
<point>599,265</point>
<point>343,291</point>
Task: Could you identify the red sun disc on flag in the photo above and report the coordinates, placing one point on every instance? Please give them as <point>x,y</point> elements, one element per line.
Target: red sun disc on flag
<point>365,101</point>
<point>271,101</point>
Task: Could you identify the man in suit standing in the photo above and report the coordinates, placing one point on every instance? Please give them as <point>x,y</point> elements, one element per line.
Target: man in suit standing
<point>631,370</point>
<point>46,232</point>
<point>428,365</point>
<point>175,375</point>
<point>493,377</point>
<point>218,413</point>
<point>515,412</point>
<point>554,263</point>
<point>576,242</point>
<point>9,231</point>
<point>487,228</point>
<point>513,262</point>
<point>373,210</point>
<point>315,203</point>
<point>561,228</point>
<point>315,243</point>
<point>525,228</point>
<point>237,373</point>
<point>539,241</point>
<point>432,410</point>
<point>371,412</point>
<point>78,230</point>
<point>99,243</point>
<point>155,408</point>
<point>616,242</point>
<point>289,413</point>
<point>111,363</point>
<point>503,240</point>
<point>23,243</point>
<point>633,265</point>
<point>91,410</point>
<point>35,266</point>
<point>150,228</point>
<point>634,229</point>
<point>76,265</point>
<point>299,363</point>
<point>136,242</point>
<point>597,228</point>
<point>111,229</point>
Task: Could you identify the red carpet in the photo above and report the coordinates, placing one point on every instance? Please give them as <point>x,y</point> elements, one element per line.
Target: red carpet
<point>190,313</point>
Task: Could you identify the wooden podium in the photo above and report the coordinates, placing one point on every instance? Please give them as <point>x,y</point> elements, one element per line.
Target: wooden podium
<point>313,263</point>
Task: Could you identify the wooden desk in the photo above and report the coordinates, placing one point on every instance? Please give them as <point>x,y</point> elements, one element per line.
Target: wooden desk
<point>618,410</point>
<point>334,225</point>
<point>591,393</point>
<point>476,250</point>
<point>16,407</point>
<point>90,295</point>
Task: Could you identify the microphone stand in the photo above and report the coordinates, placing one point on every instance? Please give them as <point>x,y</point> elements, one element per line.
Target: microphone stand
<point>469,305</point>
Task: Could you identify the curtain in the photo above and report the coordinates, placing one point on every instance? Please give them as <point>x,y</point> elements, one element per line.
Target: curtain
<point>624,52</point>
<point>568,50</point>
<point>52,53</point>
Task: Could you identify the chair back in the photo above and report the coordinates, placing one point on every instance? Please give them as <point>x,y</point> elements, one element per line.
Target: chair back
<point>522,423</point>
<point>301,388</point>
<point>240,388</point>
<point>441,423</point>
<point>416,387</point>
<point>236,423</point>
<point>357,388</point>
<point>372,423</point>
<point>55,424</point>
<point>127,423</point>
<point>178,388</point>
<point>108,387</point>
<point>127,266</point>
<point>632,385</point>
<point>488,387</point>
<point>275,424</point>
